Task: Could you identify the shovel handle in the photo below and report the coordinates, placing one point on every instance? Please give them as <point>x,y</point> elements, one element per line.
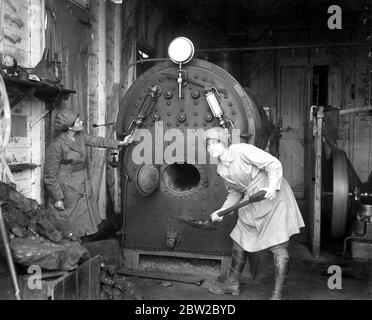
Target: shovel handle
<point>258,196</point>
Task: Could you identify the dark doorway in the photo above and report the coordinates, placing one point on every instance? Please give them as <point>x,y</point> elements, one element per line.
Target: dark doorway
<point>320,86</point>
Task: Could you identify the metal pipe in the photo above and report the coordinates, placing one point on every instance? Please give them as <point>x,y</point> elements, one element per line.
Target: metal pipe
<point>9,257</point>
<point>285,47</point>
<point>355,110</point>
<point>124,204</point>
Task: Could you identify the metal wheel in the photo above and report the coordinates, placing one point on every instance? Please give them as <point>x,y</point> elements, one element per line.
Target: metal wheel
<point>340,193</point>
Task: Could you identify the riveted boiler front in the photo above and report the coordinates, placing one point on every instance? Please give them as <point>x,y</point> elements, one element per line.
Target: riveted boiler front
<point>176,178</point>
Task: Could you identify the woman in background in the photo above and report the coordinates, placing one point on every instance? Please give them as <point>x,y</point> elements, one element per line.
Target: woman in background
<point>72,205</point>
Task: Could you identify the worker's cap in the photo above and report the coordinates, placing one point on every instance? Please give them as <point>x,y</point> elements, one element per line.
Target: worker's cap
<point>65,119</point>
<point>220,134</point>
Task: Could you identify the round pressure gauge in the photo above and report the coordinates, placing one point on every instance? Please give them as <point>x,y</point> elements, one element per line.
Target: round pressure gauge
<point>181,50</point>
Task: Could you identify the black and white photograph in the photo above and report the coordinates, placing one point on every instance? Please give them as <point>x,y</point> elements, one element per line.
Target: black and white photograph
<point>186,156</point>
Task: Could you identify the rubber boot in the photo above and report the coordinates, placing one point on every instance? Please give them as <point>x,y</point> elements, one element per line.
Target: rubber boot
<point>231,283</point>
<point>281,273</point>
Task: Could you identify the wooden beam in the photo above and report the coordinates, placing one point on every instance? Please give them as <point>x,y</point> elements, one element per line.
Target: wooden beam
<point>351,111</point>
<point>114,46</point>
<point>97,98</point>
<point>316,219</point>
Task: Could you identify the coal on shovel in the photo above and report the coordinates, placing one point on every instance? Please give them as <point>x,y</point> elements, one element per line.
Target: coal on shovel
<point>208,224</point>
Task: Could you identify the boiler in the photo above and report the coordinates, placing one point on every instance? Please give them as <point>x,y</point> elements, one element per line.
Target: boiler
<point>163,173</point>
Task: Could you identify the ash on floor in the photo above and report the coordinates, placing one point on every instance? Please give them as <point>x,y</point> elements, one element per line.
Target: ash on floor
<point>308,280</point>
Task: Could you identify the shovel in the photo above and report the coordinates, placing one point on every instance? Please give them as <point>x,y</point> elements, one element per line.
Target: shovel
<point>208,224</point>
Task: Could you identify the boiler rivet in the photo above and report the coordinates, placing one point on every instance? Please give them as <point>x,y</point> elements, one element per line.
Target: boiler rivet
<point>225,96</point>
<point>168,124</point>
<point>168,103</point>
<point>177,124</point>
<point>196,103</point>
<point>169,114</point>
<point>186,124</point>
<point>204,124</point>
<point>230,104</point>
<point>233,112</point>
<point>195,76</point>
<point>204,78</point>
<point>182,109</point>
<point>195,124</point>
<point>190,87</point>
<point>195,113</point>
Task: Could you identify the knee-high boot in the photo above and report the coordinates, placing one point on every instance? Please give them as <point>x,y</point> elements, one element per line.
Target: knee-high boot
<point>281,259</point>
<point>231,283</point>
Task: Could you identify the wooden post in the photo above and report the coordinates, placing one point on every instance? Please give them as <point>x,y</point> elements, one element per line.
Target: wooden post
<point>37,107</point>
<point>113,82</point>
<point>97,98</point>
<point>318,183</point>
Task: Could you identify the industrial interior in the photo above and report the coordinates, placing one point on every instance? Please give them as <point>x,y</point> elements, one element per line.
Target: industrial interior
<point>294,77</point>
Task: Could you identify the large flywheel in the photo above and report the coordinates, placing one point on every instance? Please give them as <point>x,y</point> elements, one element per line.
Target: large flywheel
<point>336,194</point>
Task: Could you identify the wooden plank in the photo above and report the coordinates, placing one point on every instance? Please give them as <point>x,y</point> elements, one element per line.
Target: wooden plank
<point>71,287</point>
<point>97,98</point>
<point>80,284</point>
<point>83,281</point>
<point>94,281</point>
<point>318,185</point>
<point>194,279</point>
<point>292,110</point>
<point>37,149</point>
<point>37,32</point>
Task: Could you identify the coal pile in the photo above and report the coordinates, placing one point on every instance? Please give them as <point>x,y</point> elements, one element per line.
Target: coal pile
<point>34,239</point>
<point>117,287</point>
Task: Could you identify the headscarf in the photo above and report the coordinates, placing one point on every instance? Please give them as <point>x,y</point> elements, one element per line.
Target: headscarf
<point>220,134</point>
<point>65,119</point>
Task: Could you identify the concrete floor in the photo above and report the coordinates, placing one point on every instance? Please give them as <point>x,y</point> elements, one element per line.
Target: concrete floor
<point>307,279</point>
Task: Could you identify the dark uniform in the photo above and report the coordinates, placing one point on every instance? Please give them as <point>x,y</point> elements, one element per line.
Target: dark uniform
<point>66,178</point>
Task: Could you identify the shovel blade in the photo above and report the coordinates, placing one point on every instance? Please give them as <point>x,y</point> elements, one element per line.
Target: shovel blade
<point>202,224</point>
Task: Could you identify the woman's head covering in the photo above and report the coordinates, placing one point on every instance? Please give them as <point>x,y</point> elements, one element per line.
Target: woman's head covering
<point>220,134</point>
<point>65,119</point>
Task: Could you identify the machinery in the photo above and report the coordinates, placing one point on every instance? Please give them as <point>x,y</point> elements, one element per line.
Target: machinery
<point>170,101</point>
<point>346,203</point>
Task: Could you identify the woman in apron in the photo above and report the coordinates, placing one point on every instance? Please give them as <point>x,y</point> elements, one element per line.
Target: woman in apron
<point>72,205</point>
<point>269,223</point>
